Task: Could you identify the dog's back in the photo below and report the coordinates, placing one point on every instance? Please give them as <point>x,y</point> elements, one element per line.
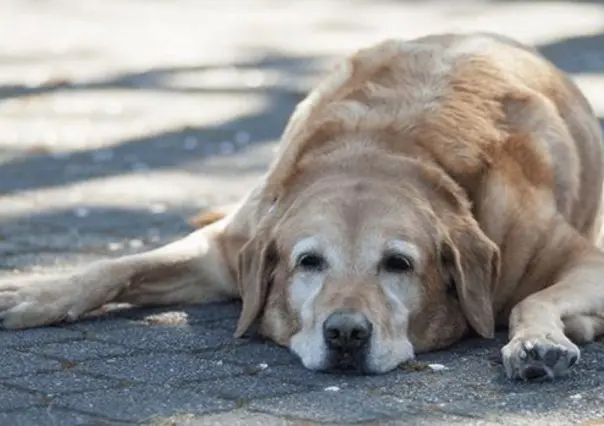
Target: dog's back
<point>431,90</point>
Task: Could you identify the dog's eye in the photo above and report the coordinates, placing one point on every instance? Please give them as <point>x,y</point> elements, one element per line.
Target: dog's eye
<point>396,264</point>
<point>311,262</point>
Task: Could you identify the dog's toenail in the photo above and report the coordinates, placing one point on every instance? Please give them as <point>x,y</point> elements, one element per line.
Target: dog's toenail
<point>573,360</point>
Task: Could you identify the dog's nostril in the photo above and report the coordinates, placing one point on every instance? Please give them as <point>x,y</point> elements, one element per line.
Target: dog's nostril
<point>332,334</point>
<point>359,334</point>
<point>347,330</point>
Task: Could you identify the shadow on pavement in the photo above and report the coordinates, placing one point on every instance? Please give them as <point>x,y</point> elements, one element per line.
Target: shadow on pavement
<point>42,170</point>
<point>157,79</point>
<point>63,238</point>
<point>577,55</point>
<point>582,54</point>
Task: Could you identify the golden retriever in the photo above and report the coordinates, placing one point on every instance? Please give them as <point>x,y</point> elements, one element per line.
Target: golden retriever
<point>422,190</point>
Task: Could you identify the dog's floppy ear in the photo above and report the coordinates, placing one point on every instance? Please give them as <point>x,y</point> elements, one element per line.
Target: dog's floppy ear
<point>472,261</point>
<point>256,265</point>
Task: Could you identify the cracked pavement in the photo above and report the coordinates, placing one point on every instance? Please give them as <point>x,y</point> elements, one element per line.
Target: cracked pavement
<point>121,119</point>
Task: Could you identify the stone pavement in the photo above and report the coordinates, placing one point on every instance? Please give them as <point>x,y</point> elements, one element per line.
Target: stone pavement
<point>120,119</point>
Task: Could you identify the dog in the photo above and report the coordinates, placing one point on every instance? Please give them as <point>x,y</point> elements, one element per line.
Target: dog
<point>424,190</point>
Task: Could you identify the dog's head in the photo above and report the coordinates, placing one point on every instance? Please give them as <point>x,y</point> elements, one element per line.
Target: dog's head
<point>362,273</point>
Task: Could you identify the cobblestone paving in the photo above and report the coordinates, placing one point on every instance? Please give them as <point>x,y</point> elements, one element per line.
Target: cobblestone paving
<point>120,119</point>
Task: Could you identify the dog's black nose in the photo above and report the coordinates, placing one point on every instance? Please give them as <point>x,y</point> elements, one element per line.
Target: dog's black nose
<point>347,330</point>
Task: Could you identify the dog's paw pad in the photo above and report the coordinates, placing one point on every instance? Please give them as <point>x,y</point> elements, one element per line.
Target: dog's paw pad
<point>539,357</point>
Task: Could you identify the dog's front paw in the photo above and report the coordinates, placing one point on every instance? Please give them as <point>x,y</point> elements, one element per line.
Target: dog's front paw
<point>32,302</point>
<point>539,355</point>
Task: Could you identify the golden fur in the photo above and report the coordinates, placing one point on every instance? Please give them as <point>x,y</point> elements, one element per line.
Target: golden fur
<point>469,154</point>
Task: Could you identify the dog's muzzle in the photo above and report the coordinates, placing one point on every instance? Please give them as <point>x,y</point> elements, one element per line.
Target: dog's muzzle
<point>347,334</point>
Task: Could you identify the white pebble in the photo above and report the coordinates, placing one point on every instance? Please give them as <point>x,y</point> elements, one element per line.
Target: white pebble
<point>262,366</point>
<point>81,212</point>
<point>190,143</point>
<point>576,396</point>
<point>135,243</point>
<point>158,208</point>
<point>219,363</point>
<point>154,238</point>
<point>115,246</point>
<point>332,389</point>
<point>437,367</point>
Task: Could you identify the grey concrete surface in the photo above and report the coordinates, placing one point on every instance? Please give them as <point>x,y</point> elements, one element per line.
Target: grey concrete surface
<point>119,119</point>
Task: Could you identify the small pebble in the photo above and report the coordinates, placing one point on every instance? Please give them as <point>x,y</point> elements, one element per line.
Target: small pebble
<point>437,367</point>
<point>135,243</point>
<point>576,396</point>
<point>263,366</point>
<point>158,208</point>
<point>332,389</point>
<point>154,238</point>
<point>167,318</point>
<point>115,246</point>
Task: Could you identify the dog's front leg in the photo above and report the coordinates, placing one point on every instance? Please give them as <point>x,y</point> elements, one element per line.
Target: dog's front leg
<point>540,325</point>
<point>199,268</point>
<point>194,269</point>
